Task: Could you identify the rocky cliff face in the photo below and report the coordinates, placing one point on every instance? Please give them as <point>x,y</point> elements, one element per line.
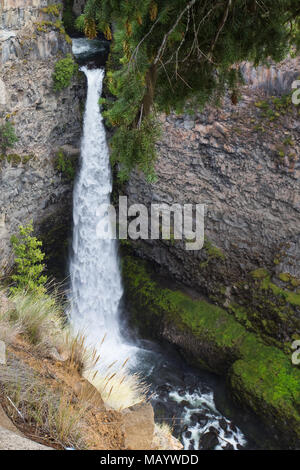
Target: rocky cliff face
<point>32,39</point>
<point>242,162</point>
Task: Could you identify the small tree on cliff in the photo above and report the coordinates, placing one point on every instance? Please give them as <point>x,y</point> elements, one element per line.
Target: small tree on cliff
<point>7,136</point>
<point>28,261</point>
<point>170,54</point>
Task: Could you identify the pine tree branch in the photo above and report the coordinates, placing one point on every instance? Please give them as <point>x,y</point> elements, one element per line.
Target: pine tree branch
<point>166,36</point>
<point>136,50</point>
<point>222,24</point>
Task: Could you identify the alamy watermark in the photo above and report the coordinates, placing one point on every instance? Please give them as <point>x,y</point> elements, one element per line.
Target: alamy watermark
<point>296,343</point>
<point>296,354</point>
<point>160,221</point>
<point>296,93</point>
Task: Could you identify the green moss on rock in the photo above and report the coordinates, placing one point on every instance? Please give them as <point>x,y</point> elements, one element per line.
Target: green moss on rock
<point>213,251</point>
<point>272,311</point>
<point>14,159</point>
<point>66,164</point>
<point>266,381</point>
<point>261,376</point>
<point>260,273</point>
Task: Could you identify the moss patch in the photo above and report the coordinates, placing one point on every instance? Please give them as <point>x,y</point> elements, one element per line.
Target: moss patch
<point>267,381</point>
<point>260,273</point>
<point>273,312</point>
<point>14,159</point>
<point>66,164</point>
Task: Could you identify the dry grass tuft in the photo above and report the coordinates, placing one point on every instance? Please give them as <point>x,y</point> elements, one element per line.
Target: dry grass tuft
<point>80,356</point>
<point>50,412</point>
<point>119,390</point>
<point>39,319</point>
<point>9,332</point>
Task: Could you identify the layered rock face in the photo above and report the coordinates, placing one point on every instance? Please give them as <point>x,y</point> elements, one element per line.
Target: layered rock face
<point>242,162</point>
<point>32,40</point>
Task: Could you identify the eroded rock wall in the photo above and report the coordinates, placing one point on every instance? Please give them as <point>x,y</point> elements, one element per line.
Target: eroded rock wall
<point>31,42</point>
<point>242,162</point>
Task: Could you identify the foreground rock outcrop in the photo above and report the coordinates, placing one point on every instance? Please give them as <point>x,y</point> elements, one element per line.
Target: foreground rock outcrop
<point>11,441</point>
<point>45,396</point>
<point>32,40</point>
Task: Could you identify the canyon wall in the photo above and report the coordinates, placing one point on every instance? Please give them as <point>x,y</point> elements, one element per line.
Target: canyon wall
<point>242,161</point>
<point>32,40</point>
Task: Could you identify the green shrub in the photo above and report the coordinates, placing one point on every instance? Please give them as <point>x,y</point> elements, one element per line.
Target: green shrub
<point>53,9</point>
<point>63,72</point>
<point>7,136</point>
<point>28,261</point>
<point>65,165</point>
<point>136,147</point>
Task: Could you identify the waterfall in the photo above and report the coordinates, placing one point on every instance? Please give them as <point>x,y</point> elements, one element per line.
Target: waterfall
<point>96,291</point>
<point>96,286</point>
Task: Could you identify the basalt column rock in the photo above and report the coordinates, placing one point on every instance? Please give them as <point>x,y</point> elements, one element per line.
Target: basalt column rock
<point>32,40</point>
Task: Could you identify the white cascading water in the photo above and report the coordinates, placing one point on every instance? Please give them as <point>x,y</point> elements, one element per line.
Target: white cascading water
<point>96,287</point>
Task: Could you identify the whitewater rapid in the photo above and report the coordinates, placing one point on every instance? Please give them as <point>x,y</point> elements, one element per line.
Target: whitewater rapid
<point>96,286</point>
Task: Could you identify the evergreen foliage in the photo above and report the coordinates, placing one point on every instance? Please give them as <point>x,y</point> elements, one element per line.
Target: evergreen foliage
<point>68,16</point>
<point>7,136</point>
<point>63,73</point>
<point>29,262</point>
<point>180,54</point>
<point>65,165</point>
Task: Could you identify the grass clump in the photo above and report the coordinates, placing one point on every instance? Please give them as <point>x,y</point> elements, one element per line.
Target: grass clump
<point>14,159</point>
<point>119,390</point>
<point>53,10</point>
<point>59,398</point>
<point>40,319</point>
<point>49,411</point>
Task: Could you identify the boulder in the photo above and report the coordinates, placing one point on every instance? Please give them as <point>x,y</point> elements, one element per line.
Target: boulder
<point>209,441</point>
<point>87,391</point>
<point>138,426</point>
<point>6,423</point>
<point>11,441</point>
